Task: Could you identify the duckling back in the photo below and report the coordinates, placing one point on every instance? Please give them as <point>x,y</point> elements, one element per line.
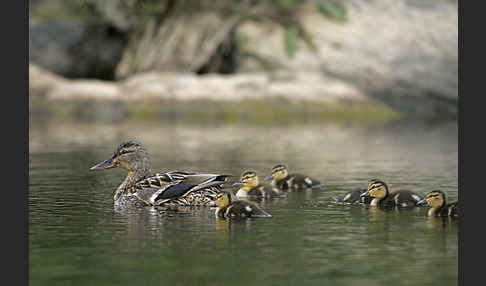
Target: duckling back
<point>405,198</point>
<point>264,191</point>
<point>353,196</point>
<point>298,182</point>
<point>242,209</point>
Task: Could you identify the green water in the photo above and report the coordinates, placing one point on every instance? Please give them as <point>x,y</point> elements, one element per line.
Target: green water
<point>77,238</point>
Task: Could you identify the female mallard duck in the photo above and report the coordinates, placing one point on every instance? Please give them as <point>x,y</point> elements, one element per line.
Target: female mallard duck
<point>439,207</point>
<point>282,180</point>
<point>354,196</point>
<point>230,207</point>
<point>142,188</point>
<point>252,188</point>
<point>383,197</point>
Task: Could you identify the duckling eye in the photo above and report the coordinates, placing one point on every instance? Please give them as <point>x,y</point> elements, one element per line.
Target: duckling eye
<point>122,152</point>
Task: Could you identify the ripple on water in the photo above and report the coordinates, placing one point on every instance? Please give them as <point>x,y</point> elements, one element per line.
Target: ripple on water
<point>75,235</point>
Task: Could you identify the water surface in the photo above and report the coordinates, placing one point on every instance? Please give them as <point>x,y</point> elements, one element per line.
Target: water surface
<point>77,238</point>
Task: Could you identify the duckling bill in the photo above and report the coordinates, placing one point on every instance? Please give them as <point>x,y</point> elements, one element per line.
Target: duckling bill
<point>252,188</point>
<point>230,207</point>
<point>142,188</point>
<point>282,180</point>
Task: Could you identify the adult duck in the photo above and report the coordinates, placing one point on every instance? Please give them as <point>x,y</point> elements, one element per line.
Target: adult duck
<point>143,188</point>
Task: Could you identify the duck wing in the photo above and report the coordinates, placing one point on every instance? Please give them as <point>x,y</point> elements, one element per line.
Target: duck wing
<point>453,209</point>
<point>271,192</point>
<point>353,196</point>
<point>197,178</point>
<point>405,198</point>
<point>303,181</point>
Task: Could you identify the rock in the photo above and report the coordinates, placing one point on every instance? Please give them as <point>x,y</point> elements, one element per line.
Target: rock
<point>186,87</point>
<point>408,47</point>
<point>67,42</point>
<point>41,81</point>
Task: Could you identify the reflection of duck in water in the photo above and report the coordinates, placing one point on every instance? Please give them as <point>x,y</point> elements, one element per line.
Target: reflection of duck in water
<point>439,206</point>
<point>230,207</point>
<point>354,196</point>
<point>251,187</point>
<point>383,197</point>
<point>282,180</point>
<point>376,214</point>
<point>141,188</point>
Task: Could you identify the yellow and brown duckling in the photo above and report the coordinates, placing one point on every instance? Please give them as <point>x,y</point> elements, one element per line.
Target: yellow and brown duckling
<point>381,195</point>
<point>142,188</point>
<point>282,180</point>
<point>439,206</point>
<point>353,197</point>
<point>252,188</point>
<point>230,207</point>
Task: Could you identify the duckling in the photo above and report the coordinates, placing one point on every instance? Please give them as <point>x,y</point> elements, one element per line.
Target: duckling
<point>439,206</point>
<point>354,196</point>
<point>282,180</point>
<point>383,197</point>
<point>253,188</point>
<point>142,188</point>
<point>230,207</point>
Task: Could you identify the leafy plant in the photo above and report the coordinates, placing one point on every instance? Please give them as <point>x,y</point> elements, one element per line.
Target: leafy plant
<point>291,37</point>
<point>334,10</point>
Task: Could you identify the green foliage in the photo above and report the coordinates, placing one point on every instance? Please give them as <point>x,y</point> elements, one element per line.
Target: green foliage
<point>286,4</point>
<point>334,10</point>
<point>291,37</point>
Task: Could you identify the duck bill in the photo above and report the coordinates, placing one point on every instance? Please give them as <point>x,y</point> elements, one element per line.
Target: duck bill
<point>107,164</point>
<point>367,193</point>
<point>268,178</point>
<point>423,202</point>
<point>237,183</point>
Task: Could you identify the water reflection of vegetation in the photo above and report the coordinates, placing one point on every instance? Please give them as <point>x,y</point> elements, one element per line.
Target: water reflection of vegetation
<point>249,111</point>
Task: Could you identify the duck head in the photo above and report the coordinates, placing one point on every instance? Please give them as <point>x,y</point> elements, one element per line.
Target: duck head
<point>376,189</point>
<point>248,180</point>
<point>436,199</point>
<point>224,199</point>
<point>279,172</point>
<point>131,156</point>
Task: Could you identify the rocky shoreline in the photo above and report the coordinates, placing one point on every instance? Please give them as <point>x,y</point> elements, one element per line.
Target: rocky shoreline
<point>402,53</point>
<point>185,87</point>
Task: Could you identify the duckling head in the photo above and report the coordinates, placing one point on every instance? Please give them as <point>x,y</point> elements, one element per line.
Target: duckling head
<point>248,180</point>
<point>435,199</point>
<point>224,199</point>
<point>376,189</point>
<point>279,172</point>
<point>130,155</point>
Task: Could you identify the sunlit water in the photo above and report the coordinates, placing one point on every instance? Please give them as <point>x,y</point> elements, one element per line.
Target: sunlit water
<point>77,238</point>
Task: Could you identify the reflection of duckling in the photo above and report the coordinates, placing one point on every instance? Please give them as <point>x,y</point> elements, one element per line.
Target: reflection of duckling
<point>381,196</point>
<point>253,189</point>
<point>354,196</point>
<point>229,206</point>
<point>439,207</point>
<point>282,180</point>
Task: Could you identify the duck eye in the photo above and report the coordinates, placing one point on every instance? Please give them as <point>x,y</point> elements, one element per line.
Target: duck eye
<point>122,152</point>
